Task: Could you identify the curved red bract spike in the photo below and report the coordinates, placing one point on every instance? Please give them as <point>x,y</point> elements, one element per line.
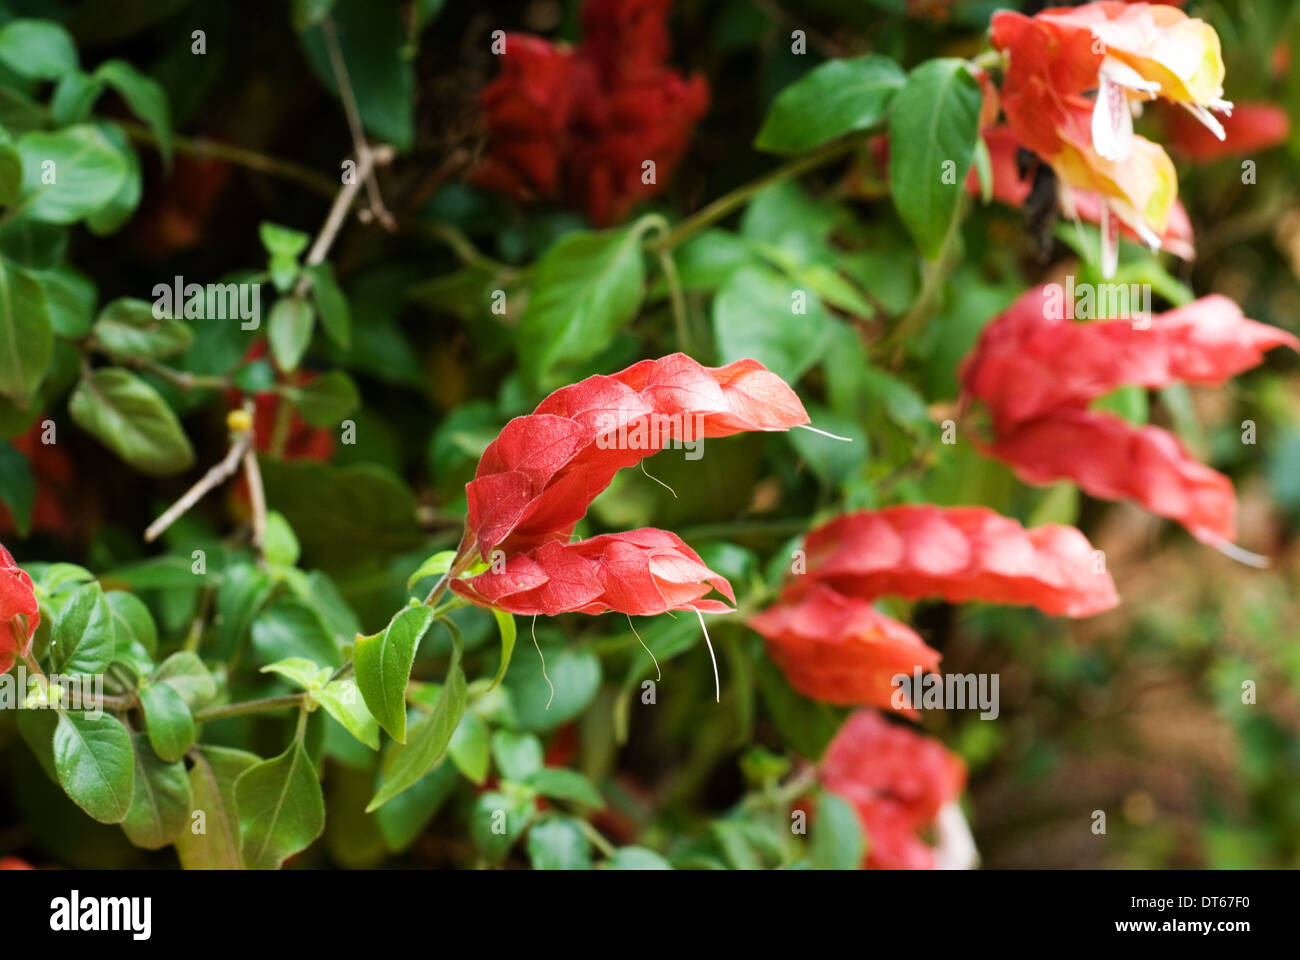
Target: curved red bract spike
<point>537,479</point>
<point>897,780</point>
<point>1115,460</point>
<point>1031,360</point>
<point>961,554</point>
<point>20,613</point>
<point>639,572</point>
<point>840,649</point>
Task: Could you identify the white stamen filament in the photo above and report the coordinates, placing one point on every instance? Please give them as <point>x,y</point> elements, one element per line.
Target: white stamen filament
<point>1259,561</point>
<point>658,481</point>
<point>658,673</point>
<point>804,426</point>
<point>717,684</point>
<point>1207,118</point>
<point>543,659</point>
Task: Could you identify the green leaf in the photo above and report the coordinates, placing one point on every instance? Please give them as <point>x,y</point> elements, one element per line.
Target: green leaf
<point>933,124</point>
<point>243,592</point>
<point>560,783</point>
<point>754,316</point>
<point>280,545</point>
<point>282,241</point>
<point>82,641</point>
<point>69,174</point>
<point>496,821</point>
<point>507,628</point>
<point>131,419</point>
<point>435,565</point>
<point>404,817</point>
<point>429,737</point>
<point>518,755</point>
<point>26,334</point>
<point>289,331</point>
<point>559,843</point>
<point>160,800</point>
<point>135,637</point>
<point>836,835</point>
<point>305,673</point>
<point>93,758</point>
<point>469,748</point>
<point>11,174</point>
<point>146,98</point>
<point>185,673</point>
<point>17,487</point>
<point>281,808</point>
<point>211,840</point>
<point>1129,403</point>
<point>331,304</point>
<point>290,627</point>
<point>343,701</point>
<point>118,210</point>
<point>127,330</point>
<point>171,726</point>
<point>830,100</point>
<point>326,400</point>
<point>636,858</point>
<point>586,287</point>
<point>71,297</point>
<point>382,664</point>
<point>37,49</point>
<point>575,675</point>
<point>74,96</point>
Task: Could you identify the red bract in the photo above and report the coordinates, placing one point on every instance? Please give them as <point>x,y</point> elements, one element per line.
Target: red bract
<point>583,122</point>
<point>20,614</point>
<point>1252,128</point>
<point>1032,359</point>
<point>840,649</point>
<point>536,480</point>
<point>1037,373</point>
<point>640,572</point>
<point>961,554</point>
<point>1112,459</point>
<point>13,863</point>
<point>897,780</point>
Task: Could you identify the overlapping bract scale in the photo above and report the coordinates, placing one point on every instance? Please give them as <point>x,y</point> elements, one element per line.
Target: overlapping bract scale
<point>537,479</point>
<point>1036,372</point>
<point>639,572</point>
<point>840,649</point>
<point>960,554</point>
<point>20,613</point>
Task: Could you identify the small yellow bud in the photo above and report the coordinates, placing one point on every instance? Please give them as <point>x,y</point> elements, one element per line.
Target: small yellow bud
<point>239,421</point>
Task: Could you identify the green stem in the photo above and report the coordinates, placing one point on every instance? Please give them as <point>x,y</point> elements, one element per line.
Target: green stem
<point>676,298</point>
<point>240,156</point>
<point>597,839</point>
<point>249,707</point>
<point>729,202</point>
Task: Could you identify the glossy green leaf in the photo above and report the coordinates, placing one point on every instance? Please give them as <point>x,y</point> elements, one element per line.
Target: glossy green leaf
<point>26,333</point>
<point>82,641</point>
<point>469,748</point>
<point>131,419</point>
<point>169,721</point>
<point>558,843</point>
<point>127,330</point>
<point>160,800</point>
<point>95,763</point>
<point>636,858</point>
<point>586,287</point>
<point>755,316</point>
<point>343,701</point>
<point>69,174</point>
<point>326,400</point>
<point>560,783</point>
<point>835,98</point>
<point>37,49</point>
<point>518,755</point>
<point>211,838</point>
<point>289,331</point>
<point>934,124</point>
<point>429,738</point>
<point>836,834</point>
<point>146,98</point>
<point>382,664</point>
<point>290,627</point>
<point>185,673</point>
<point>281,808</point>
<point>17,487</point>
<point>331,304</point>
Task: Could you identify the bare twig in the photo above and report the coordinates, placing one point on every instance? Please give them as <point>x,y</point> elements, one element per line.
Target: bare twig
<point>256,497</point>
<point>213,478</point>
<point>359,142</point>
